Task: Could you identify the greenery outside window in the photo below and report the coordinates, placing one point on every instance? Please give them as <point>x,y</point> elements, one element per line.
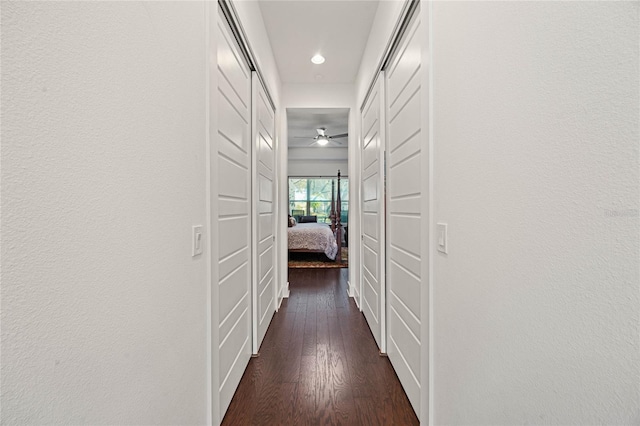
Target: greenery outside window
<point>312,197</point>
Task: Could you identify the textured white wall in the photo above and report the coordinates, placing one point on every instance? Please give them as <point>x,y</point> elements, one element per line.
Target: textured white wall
<point>317,95</point>
<point>536,173</point>
<point>314,161</point>
<point>312,168</point>
<point>387,16</point>
<point>103,174</point>
<point>251,17</point>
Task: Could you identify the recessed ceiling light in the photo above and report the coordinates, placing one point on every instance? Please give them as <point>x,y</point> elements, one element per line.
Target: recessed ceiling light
<point>318,59</point>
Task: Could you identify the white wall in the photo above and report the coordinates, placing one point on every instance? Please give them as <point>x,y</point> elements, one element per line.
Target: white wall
<point>314,168</point>
<point>387,16</point>
<point>103,175</point>
<point>317,95</point>
<point>314,161</point>
<point>252,23</point>
<point>536,173</point>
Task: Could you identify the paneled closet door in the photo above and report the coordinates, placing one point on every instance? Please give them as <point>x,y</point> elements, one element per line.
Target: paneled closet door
<point>406,219</point>
<point>372,173</point>
<point>231,174</point>
<point>264,295</point>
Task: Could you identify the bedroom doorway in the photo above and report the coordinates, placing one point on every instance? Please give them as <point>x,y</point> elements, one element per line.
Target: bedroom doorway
<point>318,148</point>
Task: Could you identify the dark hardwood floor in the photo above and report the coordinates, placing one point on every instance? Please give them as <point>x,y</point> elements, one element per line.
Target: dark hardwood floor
<point>319,364</point>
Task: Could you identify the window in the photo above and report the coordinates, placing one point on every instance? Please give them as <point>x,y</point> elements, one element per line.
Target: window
<point>312,197</point>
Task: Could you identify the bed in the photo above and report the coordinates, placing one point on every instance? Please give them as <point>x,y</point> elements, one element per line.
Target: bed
<point>320,237</point>
<point>313,237</point>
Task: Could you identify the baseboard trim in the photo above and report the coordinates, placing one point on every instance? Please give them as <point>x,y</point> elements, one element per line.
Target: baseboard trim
<point>351,291</point>
<point>282,294</point>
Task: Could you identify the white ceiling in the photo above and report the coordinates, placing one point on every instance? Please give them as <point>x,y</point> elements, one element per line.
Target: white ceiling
<point>298,29</point>
<point>303,122</point>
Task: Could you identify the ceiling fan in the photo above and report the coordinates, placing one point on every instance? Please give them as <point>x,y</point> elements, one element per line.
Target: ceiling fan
<point>322,138</point>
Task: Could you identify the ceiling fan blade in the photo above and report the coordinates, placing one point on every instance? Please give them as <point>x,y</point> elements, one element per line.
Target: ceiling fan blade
<point>341,135</point>
<point>303,137</point>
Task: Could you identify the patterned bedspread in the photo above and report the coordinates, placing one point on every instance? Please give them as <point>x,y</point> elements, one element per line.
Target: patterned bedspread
<point>313,236</point>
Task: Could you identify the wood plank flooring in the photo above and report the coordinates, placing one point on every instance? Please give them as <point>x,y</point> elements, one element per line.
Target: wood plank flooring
<point>319,364</point>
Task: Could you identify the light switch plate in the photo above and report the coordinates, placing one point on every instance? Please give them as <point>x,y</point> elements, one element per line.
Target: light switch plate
<point>441,237</point>
<point>197,240</point>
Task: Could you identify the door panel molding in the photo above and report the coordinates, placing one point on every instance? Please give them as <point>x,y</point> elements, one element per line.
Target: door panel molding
<point>372,244</point>
<point>264,292</point>
<point>407,219</point>
<point>231,213</point>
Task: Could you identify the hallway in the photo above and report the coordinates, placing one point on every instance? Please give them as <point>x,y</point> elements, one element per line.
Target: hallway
<point>492,162</point>
<point>319,364</point>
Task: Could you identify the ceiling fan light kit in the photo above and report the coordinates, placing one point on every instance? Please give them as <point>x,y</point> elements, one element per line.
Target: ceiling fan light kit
<point>323,139</point>
<point>317,59</point>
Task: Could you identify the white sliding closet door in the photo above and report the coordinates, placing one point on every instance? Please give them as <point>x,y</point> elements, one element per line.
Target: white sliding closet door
<point>264,221</point>
<point>406,220</point>
<point>373,297</point>
<point>231,215</point>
